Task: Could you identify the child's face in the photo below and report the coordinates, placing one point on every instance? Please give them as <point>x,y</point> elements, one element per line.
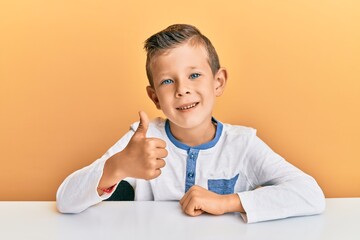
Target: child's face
<point>184,85</point>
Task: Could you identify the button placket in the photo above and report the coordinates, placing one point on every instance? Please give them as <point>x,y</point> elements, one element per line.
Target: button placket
<point>190,168</point>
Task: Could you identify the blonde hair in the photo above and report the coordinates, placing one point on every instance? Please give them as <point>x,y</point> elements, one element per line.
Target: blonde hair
<point>173,36</point>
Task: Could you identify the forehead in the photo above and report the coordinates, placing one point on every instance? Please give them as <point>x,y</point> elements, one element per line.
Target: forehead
<point>180,58</point>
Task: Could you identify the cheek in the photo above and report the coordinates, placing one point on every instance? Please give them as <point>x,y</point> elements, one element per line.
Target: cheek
<point>164,99</point>
<point>210,91</point>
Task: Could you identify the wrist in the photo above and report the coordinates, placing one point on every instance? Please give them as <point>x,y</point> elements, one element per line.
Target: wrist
<point>113,172</point>
<point>106,190</point>
<point>118,165</point>
<point>232,203</point>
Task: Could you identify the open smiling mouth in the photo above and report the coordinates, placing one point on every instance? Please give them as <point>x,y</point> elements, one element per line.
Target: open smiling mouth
<point>188,106</point>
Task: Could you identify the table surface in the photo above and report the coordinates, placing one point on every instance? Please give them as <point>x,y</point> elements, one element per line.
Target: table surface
<point>165,220</point>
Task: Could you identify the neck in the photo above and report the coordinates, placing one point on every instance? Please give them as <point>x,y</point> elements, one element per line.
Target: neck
<point>194,136</point>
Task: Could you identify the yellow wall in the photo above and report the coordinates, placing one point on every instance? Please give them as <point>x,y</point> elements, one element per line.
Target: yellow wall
<point>72,79</point>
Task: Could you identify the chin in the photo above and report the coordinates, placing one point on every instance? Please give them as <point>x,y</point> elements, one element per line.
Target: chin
<point>187,123</point>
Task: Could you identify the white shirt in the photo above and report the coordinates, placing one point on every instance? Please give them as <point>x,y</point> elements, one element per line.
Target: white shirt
<point>235,161</point>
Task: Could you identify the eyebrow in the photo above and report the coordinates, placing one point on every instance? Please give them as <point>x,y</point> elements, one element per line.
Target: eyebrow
<point>191,67</point>
<point>163,75</point>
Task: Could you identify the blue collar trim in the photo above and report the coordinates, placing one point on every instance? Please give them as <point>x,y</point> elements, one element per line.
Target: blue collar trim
<point>177,143</point>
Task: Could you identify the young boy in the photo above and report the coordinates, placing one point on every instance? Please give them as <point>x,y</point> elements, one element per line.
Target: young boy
<point>192,157</point>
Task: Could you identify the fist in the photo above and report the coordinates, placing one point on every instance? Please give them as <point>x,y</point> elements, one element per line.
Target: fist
<point>198,200</point>
<point>144,156</point>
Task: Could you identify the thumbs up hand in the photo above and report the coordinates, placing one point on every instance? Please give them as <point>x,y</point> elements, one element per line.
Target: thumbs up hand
<point>143,157</point>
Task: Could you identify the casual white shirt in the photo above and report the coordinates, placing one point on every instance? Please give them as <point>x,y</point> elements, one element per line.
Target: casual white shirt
<point>235,161</point>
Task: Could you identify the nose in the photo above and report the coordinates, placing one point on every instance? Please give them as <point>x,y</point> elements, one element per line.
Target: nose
<point>179,94</point>
<point>182,90</point>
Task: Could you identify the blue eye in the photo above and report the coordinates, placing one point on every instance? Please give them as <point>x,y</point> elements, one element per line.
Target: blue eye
<point>194,75</point>
<point>167,81</point>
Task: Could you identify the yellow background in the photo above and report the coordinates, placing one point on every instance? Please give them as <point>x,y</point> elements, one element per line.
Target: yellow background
<point>72,79</point>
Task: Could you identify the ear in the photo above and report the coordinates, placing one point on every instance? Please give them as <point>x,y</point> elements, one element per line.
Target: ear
<point>152,95</point>
<point>220,81</point>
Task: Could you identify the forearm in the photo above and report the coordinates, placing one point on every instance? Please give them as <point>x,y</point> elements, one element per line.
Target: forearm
<point>112,173</point>
<point>297,197</point>
<point>78,190</point>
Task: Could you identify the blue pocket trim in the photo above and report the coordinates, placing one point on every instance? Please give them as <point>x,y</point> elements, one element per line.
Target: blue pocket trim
<point>222,186</point>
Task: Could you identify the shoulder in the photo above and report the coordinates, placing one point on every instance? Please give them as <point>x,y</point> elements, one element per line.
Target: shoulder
<point>236,136</point>
<point>237,130</point>
<point>246,136</point>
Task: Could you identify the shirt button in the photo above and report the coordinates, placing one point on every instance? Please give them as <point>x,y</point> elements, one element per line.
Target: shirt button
<point>190,175</point>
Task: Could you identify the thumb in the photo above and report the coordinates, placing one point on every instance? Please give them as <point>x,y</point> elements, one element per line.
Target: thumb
<point>144,124</point>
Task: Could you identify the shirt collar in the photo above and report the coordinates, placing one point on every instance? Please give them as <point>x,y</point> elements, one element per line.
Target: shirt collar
<point>177,143</point>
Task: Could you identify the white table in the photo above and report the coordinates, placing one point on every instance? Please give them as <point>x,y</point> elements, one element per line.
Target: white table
<point>165,220</point>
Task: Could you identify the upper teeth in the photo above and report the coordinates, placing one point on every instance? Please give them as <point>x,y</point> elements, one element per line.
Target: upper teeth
<point>187,107</point>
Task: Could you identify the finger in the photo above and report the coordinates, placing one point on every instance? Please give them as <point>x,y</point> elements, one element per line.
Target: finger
<point>189,205</point>
<point>157,173</point>
<point>184,198</point>
<point>159,143</point>
<point>143,125</point>
<point>190,196</point>
<point>161,153</point>
<point>197,212</point>
<point>192,207</point>
<point>160,163</point>
<point>186,195</point>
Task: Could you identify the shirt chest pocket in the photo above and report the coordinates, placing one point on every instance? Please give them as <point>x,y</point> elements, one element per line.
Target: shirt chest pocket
<point>222,186</point>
